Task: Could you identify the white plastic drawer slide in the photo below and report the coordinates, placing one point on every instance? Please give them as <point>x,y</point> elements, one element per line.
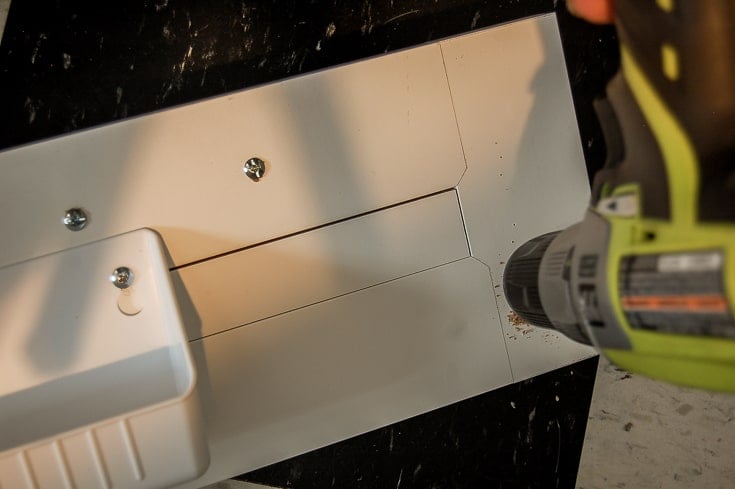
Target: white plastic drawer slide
<point>98,386</point>
<point>311,267</point>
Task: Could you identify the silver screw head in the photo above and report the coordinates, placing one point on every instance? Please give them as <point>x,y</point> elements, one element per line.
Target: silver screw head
<point>75,219</point>
<point>122,277</point>
<point>254,168</point>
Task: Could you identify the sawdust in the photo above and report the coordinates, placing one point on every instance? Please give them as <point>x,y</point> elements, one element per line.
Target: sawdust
<point>515,319</point>
<point>520,325</point>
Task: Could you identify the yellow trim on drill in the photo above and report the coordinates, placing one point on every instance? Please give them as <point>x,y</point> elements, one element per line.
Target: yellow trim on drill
<point>665,5</point>
<point>677,151</point>
<point>695,373</point>
<point>670,61</point>
<point>691,360</point>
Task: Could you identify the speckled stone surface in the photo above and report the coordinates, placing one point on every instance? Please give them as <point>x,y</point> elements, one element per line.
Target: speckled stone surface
<point>66,67</point>
<point>644,433</point>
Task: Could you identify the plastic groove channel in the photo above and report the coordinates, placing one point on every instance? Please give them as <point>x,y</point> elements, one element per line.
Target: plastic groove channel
<point>132,450</point>
<point>27,468</point>
<point>99,461</point>
<point>63,465</point>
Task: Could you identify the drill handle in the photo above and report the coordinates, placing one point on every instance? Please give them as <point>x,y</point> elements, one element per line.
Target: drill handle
<point>669,121</point>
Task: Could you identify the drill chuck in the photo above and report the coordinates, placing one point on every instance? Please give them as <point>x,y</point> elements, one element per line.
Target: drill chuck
<point>537,283</point>
<point>521,280</point>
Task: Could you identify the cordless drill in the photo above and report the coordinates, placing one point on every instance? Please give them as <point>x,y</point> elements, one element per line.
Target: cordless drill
<point>648,276</point>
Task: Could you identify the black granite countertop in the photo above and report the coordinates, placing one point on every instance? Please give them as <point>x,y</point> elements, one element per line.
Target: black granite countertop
<point>66,67</point>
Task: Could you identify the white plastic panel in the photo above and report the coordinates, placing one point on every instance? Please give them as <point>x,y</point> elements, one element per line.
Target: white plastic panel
<point>318,265</point>
<point>60,312</point>
<point>308,378</point>
<point>152,450</point>
<point>336,143</point>
<point>78,373</point>
<point>526,173</point>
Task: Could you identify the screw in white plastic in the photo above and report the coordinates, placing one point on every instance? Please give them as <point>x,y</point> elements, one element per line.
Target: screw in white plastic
<point>75,219</point>
<point>122,277</point>
<point>254,168</point>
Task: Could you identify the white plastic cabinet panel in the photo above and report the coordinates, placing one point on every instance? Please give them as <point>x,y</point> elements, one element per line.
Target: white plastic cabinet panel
<point>526,173</point>
<point>312,377</point>
<point>273,278</point>
<point>60,315</point>
<point>85,364</point>
<point>336,143</point>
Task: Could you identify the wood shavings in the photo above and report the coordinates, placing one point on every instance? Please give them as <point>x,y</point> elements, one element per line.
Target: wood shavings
<point>515,319</point>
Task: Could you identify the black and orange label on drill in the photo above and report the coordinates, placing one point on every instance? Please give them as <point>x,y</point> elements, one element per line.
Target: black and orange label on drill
<point>676,293</point>
<point>712,303</point>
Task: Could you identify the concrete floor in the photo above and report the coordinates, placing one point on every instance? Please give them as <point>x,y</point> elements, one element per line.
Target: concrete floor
<point>645,434</point>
